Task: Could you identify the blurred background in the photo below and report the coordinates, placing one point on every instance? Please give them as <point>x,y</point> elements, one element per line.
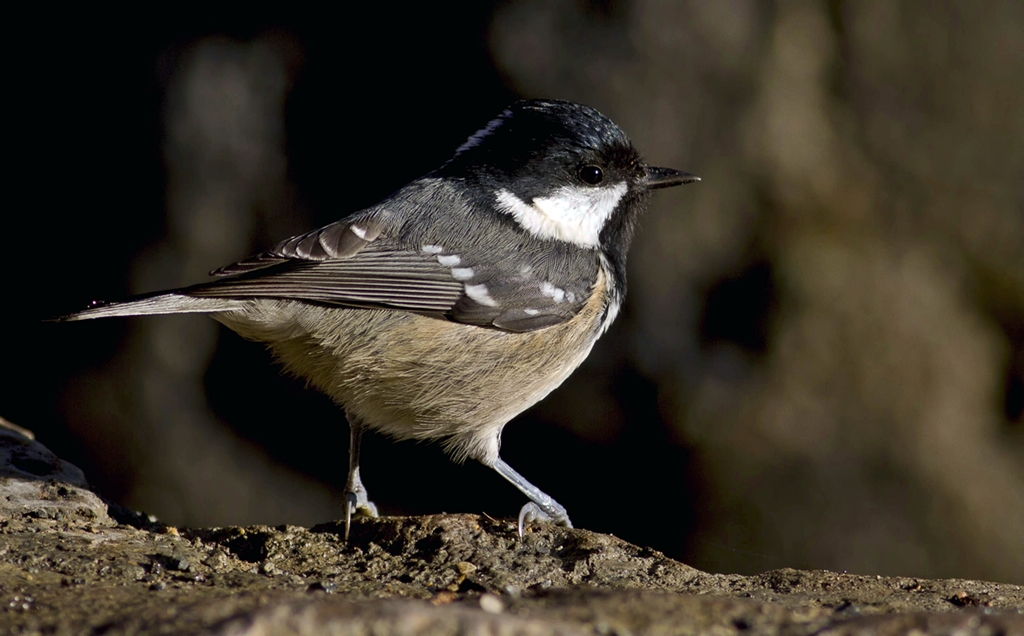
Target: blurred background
<point>821,360</point>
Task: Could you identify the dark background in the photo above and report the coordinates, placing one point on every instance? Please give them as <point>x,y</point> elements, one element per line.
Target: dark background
<point>821,362</point>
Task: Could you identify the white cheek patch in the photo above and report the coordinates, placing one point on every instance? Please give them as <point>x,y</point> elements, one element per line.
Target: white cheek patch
<point>573,214</point>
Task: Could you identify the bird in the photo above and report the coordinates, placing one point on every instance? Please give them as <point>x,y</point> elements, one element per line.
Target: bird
<point>458,301</point>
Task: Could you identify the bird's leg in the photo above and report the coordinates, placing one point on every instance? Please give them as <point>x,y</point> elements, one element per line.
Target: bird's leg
<point>355,493</point>
<point>541,506</point>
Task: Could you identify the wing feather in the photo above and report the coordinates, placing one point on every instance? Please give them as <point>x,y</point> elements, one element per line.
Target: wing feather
<point>404,281</point>
<point>370,260</point>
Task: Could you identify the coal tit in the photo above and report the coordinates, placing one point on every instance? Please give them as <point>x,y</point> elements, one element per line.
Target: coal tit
<point>457,302</point>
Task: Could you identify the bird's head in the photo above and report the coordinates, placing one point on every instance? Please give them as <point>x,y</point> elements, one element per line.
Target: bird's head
<point>563,171</point>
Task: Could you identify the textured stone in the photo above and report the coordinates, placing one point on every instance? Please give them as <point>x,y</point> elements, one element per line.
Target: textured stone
<point>66,567</point>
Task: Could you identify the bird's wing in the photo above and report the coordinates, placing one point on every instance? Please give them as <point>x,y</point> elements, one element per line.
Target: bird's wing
<point>360,262</point>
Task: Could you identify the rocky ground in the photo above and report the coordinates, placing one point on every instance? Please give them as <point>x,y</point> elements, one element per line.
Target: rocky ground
<point>72,564</point>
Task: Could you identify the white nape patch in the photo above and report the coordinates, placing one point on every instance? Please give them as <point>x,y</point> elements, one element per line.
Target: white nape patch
<point>480,294</point>
<point>555,293</point>
<point>484,132</point>
<point>531,312</point>
<point>462,273</point>
<point>449,261</point>
<point>431,249</point>
<point>573,214</point>
<point>358,231</point>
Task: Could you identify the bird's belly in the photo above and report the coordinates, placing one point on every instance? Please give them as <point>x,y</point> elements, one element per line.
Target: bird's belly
<point>429,378</point>
<point>412,376</point>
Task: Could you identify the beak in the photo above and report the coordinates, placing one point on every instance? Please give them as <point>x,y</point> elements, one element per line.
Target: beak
<point>667,178</point>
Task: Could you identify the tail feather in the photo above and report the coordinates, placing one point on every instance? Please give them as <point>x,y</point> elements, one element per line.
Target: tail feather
<point>171,303</point>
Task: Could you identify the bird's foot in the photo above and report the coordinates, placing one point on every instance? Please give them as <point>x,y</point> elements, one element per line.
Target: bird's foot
<point>357,503</point>
<point>553,513</point>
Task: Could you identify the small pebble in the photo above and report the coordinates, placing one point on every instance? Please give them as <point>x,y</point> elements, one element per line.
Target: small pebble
<point>491,604</point>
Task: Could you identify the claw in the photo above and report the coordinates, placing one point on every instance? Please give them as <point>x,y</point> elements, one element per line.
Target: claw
<point>356,500</point>
<point>350,504</point>
<point>354,504</point>
<point>532,512</point>
<point>541,507</point>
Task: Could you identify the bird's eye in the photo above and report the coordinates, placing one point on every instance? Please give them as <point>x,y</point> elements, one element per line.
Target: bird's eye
<point>591,175</point>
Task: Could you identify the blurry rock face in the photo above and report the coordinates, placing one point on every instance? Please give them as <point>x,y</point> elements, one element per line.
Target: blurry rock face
<point>835,315</point>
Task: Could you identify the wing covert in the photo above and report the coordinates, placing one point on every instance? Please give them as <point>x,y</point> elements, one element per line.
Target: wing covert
<point>372,261</point>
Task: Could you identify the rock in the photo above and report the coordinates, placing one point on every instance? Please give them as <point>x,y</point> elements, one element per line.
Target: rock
<point>36,483</point>
<point>66,566</point>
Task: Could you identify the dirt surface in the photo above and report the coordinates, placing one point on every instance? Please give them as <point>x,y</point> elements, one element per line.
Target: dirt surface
<point>71,564</point>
